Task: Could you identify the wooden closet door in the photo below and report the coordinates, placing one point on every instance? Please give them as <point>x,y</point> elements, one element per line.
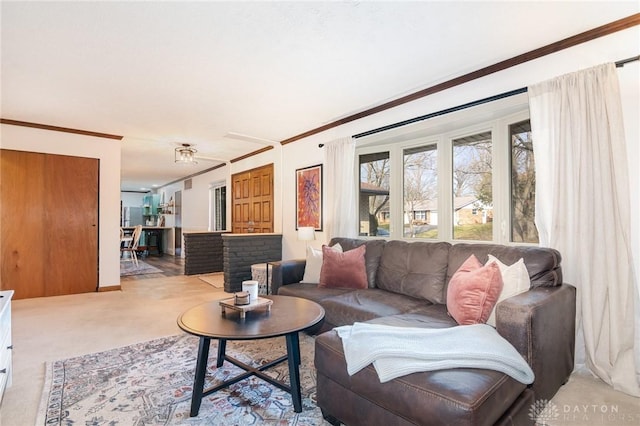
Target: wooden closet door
<point>49,219</point>
<point>22,227</point>
<point>71,221</point>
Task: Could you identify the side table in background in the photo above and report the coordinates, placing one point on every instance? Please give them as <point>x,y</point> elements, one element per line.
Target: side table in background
<point>261,272</point>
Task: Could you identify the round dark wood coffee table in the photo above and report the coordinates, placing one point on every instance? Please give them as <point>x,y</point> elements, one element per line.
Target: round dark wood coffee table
<point>287,317</point>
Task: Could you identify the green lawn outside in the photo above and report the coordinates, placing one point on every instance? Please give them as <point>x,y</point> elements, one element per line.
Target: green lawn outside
<point>482,232</point>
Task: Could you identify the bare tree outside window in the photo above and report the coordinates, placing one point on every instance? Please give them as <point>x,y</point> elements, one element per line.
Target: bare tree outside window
<point>421,192</point>
<point>430,157</point>
<point>523,184</point>
<point>472,188</point>
<point>373,205</point>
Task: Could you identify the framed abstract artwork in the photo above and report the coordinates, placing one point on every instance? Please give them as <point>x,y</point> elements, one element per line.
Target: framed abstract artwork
<point>309,197</point>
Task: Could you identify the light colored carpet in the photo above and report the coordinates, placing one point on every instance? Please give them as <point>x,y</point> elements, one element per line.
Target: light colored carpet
<point>151,383</point>
<point>127,267</point>
<point>52,328</point>
<point>216,279</point>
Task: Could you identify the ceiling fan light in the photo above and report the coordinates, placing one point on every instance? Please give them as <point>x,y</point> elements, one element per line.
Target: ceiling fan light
<point>185,154</point>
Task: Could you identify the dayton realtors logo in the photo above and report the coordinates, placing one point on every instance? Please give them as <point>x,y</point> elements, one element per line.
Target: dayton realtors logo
<point>543,411</point>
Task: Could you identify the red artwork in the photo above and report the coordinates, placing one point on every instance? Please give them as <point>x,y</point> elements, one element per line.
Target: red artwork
<point>309,197</point>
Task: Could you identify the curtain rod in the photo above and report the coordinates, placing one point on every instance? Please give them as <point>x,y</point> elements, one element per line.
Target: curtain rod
<point>442,112</point>
<point>619,64</point>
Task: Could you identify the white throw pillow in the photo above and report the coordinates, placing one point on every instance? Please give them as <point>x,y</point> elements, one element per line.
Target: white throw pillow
<point>314,264</point>
<point>516,280</point>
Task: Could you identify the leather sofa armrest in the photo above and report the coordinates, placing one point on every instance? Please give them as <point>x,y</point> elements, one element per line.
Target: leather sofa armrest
<point>286,272</point>
<point>540,324</point>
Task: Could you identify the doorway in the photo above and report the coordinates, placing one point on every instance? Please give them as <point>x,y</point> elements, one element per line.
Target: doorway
<point>252,201</point>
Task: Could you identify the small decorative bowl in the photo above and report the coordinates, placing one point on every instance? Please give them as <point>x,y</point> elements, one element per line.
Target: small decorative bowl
<point>241,298</point>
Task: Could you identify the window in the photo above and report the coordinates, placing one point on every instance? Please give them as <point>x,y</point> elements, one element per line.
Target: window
<point>373,203</point>
<point>462,176</point>
<point>420,166</point>
<point>523,184</point>
<point>472,188</point>
<point>218,207</point>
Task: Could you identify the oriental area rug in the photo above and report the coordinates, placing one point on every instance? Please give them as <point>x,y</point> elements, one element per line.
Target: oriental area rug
<point>128,267</point>
<point>151,383</point>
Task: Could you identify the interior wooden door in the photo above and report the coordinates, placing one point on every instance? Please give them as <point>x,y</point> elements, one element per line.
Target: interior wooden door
<point>49,219</point>
<point>71,206</point>
<point>252,201</point>
<point>22,228</point>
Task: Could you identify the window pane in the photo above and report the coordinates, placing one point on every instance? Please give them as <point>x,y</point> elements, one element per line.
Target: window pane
<point>523,184</point>
<point>472,192</point>
<point>421,192</point>
<point>218,208</point>
<point>221,208</point>
<point>373,202</point>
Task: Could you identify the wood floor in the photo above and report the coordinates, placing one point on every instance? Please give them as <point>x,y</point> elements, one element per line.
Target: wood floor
<point>170,266</point>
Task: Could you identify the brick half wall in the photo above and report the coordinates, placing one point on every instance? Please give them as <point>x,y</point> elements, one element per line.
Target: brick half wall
<point>203,253</point>
<point>240,251</point>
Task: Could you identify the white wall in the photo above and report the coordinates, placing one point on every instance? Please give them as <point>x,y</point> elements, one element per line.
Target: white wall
<point>195,201</point>
<point>131,199</point>
<point>108,152</point>
<point>611,48</point>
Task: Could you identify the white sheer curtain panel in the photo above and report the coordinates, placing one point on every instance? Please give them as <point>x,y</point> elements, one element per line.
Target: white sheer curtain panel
<point>339,160</point>
<point>583,210</point>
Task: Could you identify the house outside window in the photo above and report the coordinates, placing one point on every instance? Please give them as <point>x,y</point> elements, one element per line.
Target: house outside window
<point>472,187</point>
<point>373,200</point>
<point>420,181</point>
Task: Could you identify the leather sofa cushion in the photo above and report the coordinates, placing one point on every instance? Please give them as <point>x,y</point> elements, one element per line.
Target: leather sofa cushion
<point>542,263</point>
<point>363,305</point>
<point>311,291</point>
<point>427,316</point>
<point>371,257</point>
<point>415,269</point>
<point>445,397</point>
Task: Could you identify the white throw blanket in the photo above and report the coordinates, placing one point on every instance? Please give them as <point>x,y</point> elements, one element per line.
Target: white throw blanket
<point>397,351</point>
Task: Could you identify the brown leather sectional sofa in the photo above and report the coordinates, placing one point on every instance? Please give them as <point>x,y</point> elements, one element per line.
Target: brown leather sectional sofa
<point>539,323</point>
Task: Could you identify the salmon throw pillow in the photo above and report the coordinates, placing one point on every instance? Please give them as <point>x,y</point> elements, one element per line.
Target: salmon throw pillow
<point>313,264</point>
<point>473,291</point>
<point>343,270</point>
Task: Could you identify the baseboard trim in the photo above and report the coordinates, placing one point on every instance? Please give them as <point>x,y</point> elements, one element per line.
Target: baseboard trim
<point>110,288</point>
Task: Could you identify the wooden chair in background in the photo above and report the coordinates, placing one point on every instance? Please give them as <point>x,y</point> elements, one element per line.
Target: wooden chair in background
<point>132,246</point>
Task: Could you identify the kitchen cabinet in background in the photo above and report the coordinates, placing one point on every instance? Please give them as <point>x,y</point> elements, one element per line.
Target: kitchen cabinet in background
<point>150,209</point>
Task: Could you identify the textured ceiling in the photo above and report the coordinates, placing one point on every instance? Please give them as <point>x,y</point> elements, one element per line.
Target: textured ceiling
<point>166,73</point>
